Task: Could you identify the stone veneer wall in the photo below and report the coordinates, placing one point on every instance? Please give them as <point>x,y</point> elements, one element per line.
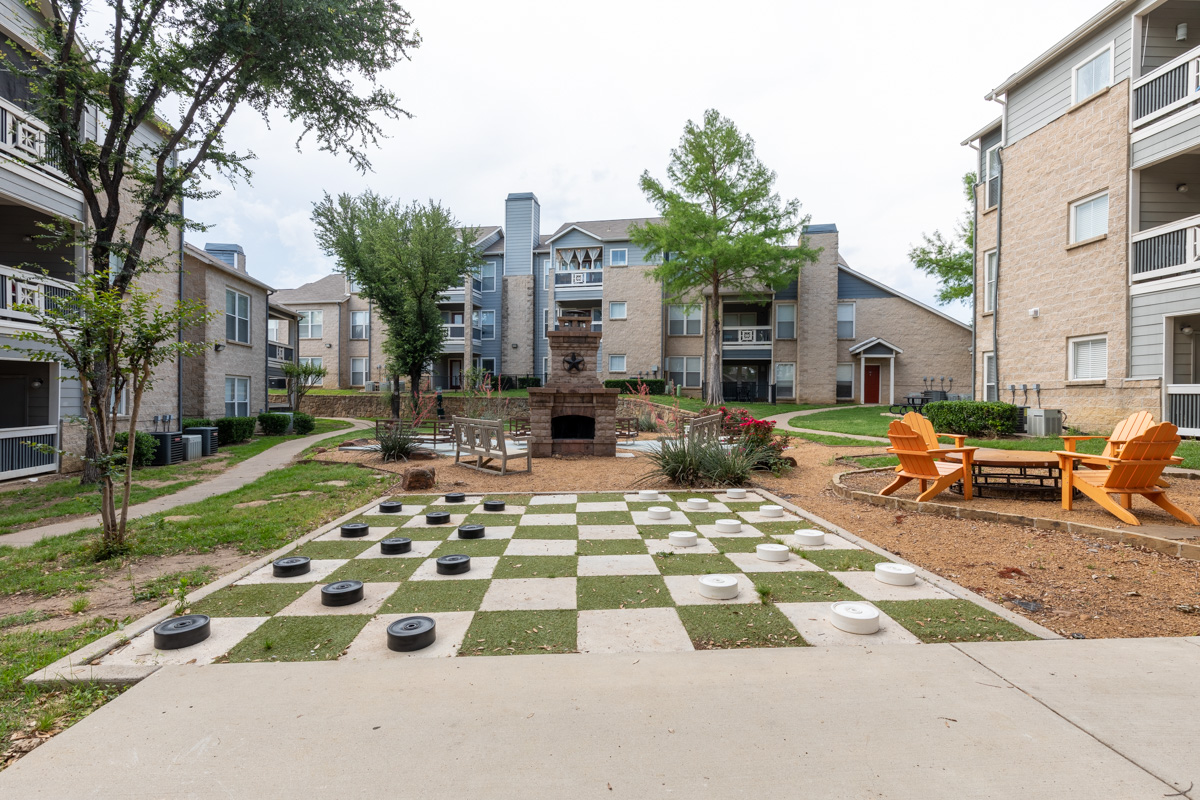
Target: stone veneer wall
<point>816,324</point>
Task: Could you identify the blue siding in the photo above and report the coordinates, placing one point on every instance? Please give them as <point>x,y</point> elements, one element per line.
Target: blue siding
<point>750,354</point>
<point>852,288</point>
<point>987,143</point>
<point>521,221</point>
<point>490,348</point>
<point>789,292</point>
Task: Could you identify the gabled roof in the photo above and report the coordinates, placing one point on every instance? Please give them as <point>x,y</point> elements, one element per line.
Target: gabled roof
<point>901,295</point>
<point>874,340</point>
<point>330,289</point>
<point>606,230</point>
<point>483,231</point>
<point>984,131</point>
<point>827,227</point>
<point>209,260</point>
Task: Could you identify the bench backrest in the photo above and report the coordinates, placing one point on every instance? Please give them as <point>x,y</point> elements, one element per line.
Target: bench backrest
<point>912,451</point>
<point>1132,426</point>
<point>922,427</point>
<point>481,435</point>
<point>1143,458</point>
<point>705,429</point>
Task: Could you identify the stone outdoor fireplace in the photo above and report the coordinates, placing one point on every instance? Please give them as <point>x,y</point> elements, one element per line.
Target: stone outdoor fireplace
<point>573,414</point>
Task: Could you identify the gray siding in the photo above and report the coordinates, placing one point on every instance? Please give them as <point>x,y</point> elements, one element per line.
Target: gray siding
<point>1146,330</point>
<point>520,234</point>
<point>25,190</point>
<point>749,354</point>
<point>1160,201</point>
<point>1159,45</point>
<point>985,144</point>
<point>1181,136</point>
<point>490,348</point>
<point>19,18</point>
<point>853,288</point>
<point>789,292</point>
<point>1046,96</point>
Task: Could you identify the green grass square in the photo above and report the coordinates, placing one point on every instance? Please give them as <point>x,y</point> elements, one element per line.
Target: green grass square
<point>708,517</point>
<point>934,621</point>
<point>604,518</point>
<point>506,633</point>
<point>299,638</point>
<point>694,564</point>
<point>738,626</point>
<point>376,569</point>
<point>435,534</point>
<point>843,560</point>
<point>739,544</point>
<point>561,508</point>
<point>642,505</point>
<point>509,499</point>
<point>486,518</point>
<point>622,591</point>
<point>782,528</point>
<point>251,600</point>
<point>327,550</point>
<point>601,497</point>
<point>470,547</point>
<point>663,531</point>
<point>612,547</point>
<point>536,567</point>
<point>802,587</point>
<point>546,532</point>
<point>428,596</point>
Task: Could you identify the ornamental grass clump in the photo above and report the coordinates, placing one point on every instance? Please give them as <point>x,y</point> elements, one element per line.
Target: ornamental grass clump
<point>701,464</point>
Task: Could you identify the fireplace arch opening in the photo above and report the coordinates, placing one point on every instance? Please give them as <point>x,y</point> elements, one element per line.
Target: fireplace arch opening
<point>572,426</point>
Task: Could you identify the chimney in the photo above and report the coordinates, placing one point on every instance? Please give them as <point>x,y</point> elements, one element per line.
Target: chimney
<point>231,254</point>
<point>522,230</point>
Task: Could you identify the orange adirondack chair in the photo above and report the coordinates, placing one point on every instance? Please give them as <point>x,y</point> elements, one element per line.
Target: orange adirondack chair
<point>924,428</point>
<point>918,463</point>
<point>1126,429</point>
<point>1136,470</point>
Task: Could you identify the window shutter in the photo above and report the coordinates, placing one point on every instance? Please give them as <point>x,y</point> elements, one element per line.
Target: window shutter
<point>1091,359</point>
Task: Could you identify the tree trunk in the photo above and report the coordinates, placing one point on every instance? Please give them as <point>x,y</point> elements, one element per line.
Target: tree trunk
<point>395,395</point>
<point>714,393</point>
<point>91,472</point>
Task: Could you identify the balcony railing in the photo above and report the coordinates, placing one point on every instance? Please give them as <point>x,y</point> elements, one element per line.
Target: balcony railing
<point>1165,250</point>
<point>579,277</point>
<point>1166,89</point>
<point>476,285</point>
<point>20,287</point>
<point>1183,408</point>
<point>749,336</point>
<point>18,459</point>
<point>280,352</point>
<point>455,331</point>
<point>26,137</point>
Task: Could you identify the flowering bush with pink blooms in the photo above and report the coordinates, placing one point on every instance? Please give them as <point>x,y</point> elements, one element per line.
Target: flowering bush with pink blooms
<point>740,426</point>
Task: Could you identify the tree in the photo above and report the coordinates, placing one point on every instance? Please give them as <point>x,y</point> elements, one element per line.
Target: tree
<point>951,260</point>
<point>301,378</point>
<point>723,228</point>
<point>402,260</point>
<point>316,63</point>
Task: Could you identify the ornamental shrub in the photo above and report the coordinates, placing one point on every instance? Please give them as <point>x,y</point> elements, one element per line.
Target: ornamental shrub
<point>528,381</point>
<point>231,430</point>
<point>144,448</point>
<point>632,385</point>
<point>273,424</point>
<point>303,424</point>
<point>973,418</point>
<point>196,423</point>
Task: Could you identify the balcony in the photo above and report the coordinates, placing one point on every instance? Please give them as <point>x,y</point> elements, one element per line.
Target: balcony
<point>578,277</point>
<point>755,336</point>
<point>455,333</point>
<point>23,288</point>
<point>1183,408</point>
<point>280,352</point>
<point>1165,250</point>
<point>26,138</point>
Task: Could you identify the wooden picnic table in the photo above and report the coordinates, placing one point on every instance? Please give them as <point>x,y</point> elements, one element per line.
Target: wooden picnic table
<point>1004,473</point>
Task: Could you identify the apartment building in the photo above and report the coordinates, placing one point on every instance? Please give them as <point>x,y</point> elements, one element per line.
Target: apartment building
<point>1088,208</point>
<point>832,334</point>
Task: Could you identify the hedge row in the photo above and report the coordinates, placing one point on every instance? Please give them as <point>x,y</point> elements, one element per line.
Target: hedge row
<point>630,385</point>
<point>144,448</point>
<point>973,418</point>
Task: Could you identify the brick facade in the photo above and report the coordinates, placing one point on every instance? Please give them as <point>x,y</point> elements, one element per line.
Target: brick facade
<point>639,337</point>
<point>816,324</point>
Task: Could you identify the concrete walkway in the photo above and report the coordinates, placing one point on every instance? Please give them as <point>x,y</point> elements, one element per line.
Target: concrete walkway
<point>1047,719</point>
<point>249,470</point>
<point>784,421</point>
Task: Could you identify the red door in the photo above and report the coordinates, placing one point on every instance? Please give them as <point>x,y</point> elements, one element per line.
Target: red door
<point>871,387</point>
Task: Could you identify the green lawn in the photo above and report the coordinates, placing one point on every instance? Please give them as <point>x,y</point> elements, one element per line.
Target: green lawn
<point>858,420</point>
<point>759,410</point>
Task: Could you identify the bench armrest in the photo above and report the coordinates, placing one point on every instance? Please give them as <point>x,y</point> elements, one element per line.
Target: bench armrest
<point>1070,441</point>
<point>1074,456</point>
<point>953,450</point>
<point>959,439</point>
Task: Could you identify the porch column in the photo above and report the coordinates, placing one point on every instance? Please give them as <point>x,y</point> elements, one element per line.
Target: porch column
<point>892,381</point>
<point>862,380</point>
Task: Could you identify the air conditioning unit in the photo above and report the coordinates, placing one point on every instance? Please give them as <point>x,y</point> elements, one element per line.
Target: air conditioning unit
<point>191,447</point>
<point>287,414</point>
<point>208,439</point>
<point>1044,422</point>
<point>170,448</point>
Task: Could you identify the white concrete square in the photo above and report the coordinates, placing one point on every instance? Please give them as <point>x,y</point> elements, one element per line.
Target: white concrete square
<point>405,511</point>
<point>482,568</point>
<point>685,591</point>
<point>754,516</point>
<point>420,549</point>
<point>319,569</point>
<point>371,642</point>
<point>813,622</point>
<point>553,499</point>
<point>711,531</point>
<point>609,532</point>
<point>677,519</point>
<point>469,500</point>
<point>713,507</point>
<point>750,497</point>
<point>750,562</point>
<point>548,519</point>
<point>529,594</point>
<point>633,498</point>
<point>832,542</point>
<point>479,509</point>
<point>374,534</point>
<point>865,584</point>
<point>419,522</point>
<point>635,630</point>
<point>590,566</point>
<point>226,632</point>
<point>489,532</point>
<point>664,546</point>
<point>309,603</point>
<point>541,547</point>
<point>615,505</point>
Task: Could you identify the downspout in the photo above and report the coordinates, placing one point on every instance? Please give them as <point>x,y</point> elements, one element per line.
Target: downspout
<point>267,355</point>
<point>179,360</point>
<point>996,299</point>
<point>975,268</point>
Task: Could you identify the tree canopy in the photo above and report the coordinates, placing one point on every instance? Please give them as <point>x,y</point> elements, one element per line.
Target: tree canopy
<point>950,259</point>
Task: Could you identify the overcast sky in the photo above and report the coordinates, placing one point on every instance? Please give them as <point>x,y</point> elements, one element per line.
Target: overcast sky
<point>859,107</point>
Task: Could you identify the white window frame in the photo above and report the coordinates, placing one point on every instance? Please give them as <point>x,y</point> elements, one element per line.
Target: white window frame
<point>1112,52</point>
<point>306,321</point>
<point>994,394</point>
<point>1071,367</point>
<point>234,401</point>
<point>483,365</point>
<point>273,329</point>
<point>366,326</point>
<point>365,371</point>
<point>853,320</point>
<point>624,362</point>
<point>685,364</point>
<point>988,177</point>
<point>1072,237</point>
<point>483,275</point>
<point>351,286</point>
<point>686,316</point>
<point>792,306</point>
<point>318,361</point>
<point>791,364</point>
<point>612,257</point>
<point>990,262</point>
<point>612,310</point>
<point>236,316</point>
<point>545,370</point>
<point>545,322</point>
<point>485,312</point>
<point>836,380</point>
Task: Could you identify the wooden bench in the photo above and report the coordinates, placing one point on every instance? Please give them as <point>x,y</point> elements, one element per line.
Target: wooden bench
<point>519,428</point>
<point>627,428</point>
<point>703,430</point>
<point>484,440</point>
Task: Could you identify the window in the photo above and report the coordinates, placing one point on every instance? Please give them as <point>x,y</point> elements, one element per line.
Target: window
<point>618,258</point>
<point>748,319</point>
<point>845,321</point>
<point>1093,75</point>
<point>989,281</point>
<point>545,371</point>
<point>548,267</point>
<point>121,406</point>
<point>683,321</point>
<point>785,322</point>
<point>358,372</point>
<point>488,365</point>
<point>616,310</point>
<point>616,363</point>
<point>237,397</point>
<point>310,324</point>
<point>237,317</point>
<point>351,285</point>
<point>845,381</point>
<point>273,330</point>
<point>990,392</point>
<point>1089,218</point>
<point>488,274</point>
<point>785,380</point>
<point>487,319</point>
<point>991,175</point>
<point>684,371</point>
<point>1089,358</point>
<point>316,362</point>
<point>545,322</point>
<point>360,324</point>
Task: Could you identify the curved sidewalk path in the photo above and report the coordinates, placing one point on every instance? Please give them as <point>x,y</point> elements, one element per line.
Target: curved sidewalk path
<point>784,421</point>
<point>249,470</point>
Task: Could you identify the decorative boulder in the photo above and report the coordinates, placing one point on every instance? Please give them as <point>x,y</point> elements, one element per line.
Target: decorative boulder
<point>418,479</point>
